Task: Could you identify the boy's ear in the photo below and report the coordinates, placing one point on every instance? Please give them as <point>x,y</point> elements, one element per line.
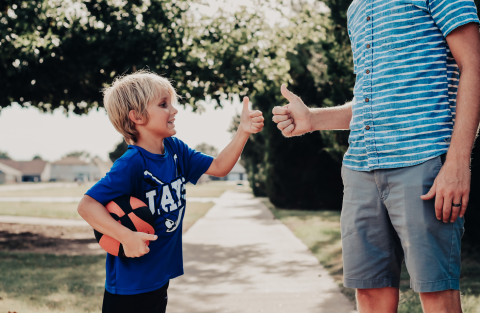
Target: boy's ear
<point>134,118</point>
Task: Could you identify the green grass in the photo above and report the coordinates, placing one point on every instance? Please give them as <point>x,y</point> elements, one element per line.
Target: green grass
<point>48,192</point>
<point>210,189</point>
<point>194,211</point>
<point>320,231</point>
<point>40,209</point>
<point>39,283</point>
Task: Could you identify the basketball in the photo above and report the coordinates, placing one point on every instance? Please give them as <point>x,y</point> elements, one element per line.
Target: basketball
<point>131,213</point>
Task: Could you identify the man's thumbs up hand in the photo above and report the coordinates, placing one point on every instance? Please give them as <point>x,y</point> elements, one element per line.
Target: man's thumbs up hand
<point>251,121</point>
<point>294,118</point>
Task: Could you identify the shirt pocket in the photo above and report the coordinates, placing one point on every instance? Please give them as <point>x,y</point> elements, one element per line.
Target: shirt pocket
<point>396,28</point>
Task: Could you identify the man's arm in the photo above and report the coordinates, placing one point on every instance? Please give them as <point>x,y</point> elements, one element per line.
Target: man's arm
<point>452,184</point>
<point>251,123</point>
<point>296,118</point>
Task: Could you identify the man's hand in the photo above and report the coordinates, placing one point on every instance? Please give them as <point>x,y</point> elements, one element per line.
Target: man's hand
<point>294,118</point>
<point>251,122</point>
<point>135,244</point>
<point>452,186</point>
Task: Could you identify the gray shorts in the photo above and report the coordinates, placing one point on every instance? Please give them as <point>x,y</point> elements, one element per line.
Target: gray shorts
<point>384,221</point>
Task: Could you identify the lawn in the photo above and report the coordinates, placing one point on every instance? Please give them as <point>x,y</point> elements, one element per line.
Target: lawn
<point>320,231</point>
<point>39,283</point>
<point>194,211</point>
<point>210,189</point>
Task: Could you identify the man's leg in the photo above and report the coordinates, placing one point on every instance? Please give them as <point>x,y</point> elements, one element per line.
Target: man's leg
<point>372,253</point>
<point>447,301</point>
<point>432,248</point>
<point>381,300</point>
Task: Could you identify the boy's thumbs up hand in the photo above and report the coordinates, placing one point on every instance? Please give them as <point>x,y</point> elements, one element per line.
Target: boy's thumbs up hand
<point>251,121</point>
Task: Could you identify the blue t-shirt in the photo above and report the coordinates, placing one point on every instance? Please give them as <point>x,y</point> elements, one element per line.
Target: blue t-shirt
<point>159,181</point>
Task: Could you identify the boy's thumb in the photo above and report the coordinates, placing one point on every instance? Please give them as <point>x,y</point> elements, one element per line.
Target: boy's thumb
<point>149,237</point>
<point>245,103</point>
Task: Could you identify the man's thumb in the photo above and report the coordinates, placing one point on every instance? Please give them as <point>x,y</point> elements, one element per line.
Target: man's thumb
<point>430,194</point>
<point>245,103</point>
<point>149,237</point>
<point>287,93</point>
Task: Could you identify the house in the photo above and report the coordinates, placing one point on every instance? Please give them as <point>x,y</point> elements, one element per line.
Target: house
<point>31,171</point>
<point>9,174</point>
<point>72,168</point>
<point>238,172</point>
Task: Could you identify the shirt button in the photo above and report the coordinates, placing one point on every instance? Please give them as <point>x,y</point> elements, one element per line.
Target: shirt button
<point>368,18</point>
<point>366,100</point>
<point>367,71</point>
<point>368,46</point>
<point>367,127</point>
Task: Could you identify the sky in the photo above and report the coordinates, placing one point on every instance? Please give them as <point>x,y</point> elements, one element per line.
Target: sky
<point>25,132</point>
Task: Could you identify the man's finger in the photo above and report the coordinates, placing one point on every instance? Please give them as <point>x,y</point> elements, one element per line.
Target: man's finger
<point>465,199</point>
<point>245,103</point>
<point>431,193</point>
<point>439,207</point>
<point>284,124</point>
<point>281,110</point>
<point>455,209</point>
<point>258,119</point>
<point>287,132</point>
<point>447,209</point>
<point>255,113</point>
<point>287,93</point>
<point>280,118</point>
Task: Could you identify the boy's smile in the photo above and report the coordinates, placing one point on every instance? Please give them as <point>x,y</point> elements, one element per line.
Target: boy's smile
<point>161,117</point>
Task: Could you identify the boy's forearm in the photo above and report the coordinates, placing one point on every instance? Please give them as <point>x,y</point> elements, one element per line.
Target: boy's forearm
<point>97,216</point>
<point>331,118</point>
<point>226,160</point>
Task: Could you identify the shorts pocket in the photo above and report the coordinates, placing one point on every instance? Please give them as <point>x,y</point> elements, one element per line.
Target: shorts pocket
<point>397,28</point>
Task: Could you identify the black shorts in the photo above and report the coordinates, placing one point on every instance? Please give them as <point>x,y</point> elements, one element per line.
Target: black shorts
<point>148,302</point>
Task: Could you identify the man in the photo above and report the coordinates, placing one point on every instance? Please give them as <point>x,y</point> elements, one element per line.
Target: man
<point>405,196</point>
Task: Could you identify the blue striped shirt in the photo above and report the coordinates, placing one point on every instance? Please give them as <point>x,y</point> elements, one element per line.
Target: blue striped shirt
<point>407,79</point>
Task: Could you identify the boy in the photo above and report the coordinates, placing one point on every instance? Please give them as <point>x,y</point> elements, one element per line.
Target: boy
<point>154,169</point>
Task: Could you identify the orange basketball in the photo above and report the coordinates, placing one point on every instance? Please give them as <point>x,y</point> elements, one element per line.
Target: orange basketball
<point>131,213</point>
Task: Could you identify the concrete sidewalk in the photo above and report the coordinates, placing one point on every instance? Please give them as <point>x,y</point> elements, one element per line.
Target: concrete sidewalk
<point>238,258</point>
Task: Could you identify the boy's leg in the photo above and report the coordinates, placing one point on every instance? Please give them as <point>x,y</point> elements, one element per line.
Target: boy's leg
<point>432,247</point>
<point>372,254</point>
<point>149,302</point>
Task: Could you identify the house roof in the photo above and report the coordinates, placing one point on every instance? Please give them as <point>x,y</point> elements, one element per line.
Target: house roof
<point>238,168</point>
<point>34,167</point>
<point>9,170</point>
<point>71,160</point>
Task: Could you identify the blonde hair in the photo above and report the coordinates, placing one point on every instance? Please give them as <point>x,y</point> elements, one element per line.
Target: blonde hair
<point>134,92</point>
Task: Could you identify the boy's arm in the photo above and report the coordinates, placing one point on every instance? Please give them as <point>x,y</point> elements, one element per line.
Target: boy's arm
<point>95,214</point>
<point>251,123</point>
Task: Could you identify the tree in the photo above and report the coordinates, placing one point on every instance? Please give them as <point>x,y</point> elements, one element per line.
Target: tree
<point>78,154</point>
<point>4,155</point>
<point>207,149</point>
<point>119,150</point>
<point>37,157</point>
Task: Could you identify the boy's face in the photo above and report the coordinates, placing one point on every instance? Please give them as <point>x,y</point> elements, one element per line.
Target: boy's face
<point>161,116</point>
